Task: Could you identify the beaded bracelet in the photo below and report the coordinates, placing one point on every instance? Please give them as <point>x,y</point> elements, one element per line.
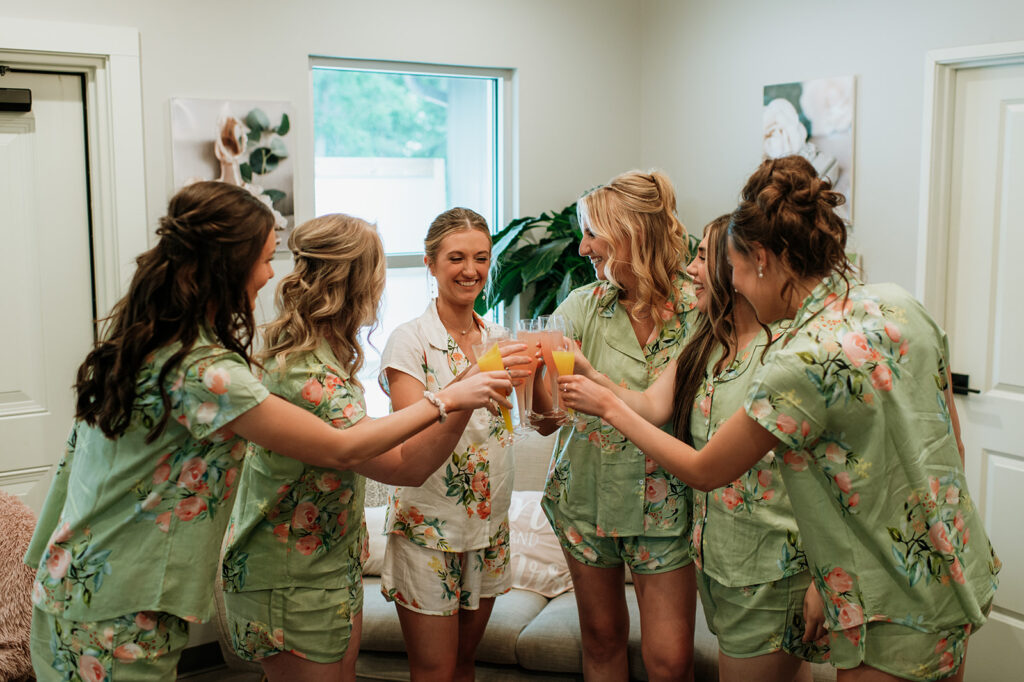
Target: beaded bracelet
<point>436,402</point>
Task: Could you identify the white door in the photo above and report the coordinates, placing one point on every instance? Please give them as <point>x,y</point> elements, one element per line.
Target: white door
<point>46,292</point>
<point>985,323</point>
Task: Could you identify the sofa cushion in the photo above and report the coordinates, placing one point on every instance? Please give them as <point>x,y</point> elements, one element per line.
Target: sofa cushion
<point>537,562</point>
<point>552,641</point>
<point>381,630</point>
<point>377,540</point>
<point>512,612</point>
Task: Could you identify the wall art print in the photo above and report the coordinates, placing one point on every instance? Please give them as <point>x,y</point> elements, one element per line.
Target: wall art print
<point>244,143</point>
<point>814,119</point>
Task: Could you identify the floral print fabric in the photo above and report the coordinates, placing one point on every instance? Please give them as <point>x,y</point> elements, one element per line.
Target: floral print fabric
<point>463,504</point>
<point>854,391</point>
<point>597,474</point>
<point>294,523</point>
<point>743,533</point>
<point>131,526</point>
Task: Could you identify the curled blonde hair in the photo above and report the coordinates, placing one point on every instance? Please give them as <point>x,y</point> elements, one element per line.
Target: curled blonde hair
<point>636,214</point>
<point>333,292</point>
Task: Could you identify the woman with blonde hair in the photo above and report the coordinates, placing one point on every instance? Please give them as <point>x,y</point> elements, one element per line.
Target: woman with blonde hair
<point>854,399</point>
<point>611,506</point>
<point>448,540</point>
<point>751,566</point>
<point>292,566</point>
<point>127,544</point>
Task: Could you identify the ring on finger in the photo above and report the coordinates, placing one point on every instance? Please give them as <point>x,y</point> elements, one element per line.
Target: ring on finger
<point>509,373</point>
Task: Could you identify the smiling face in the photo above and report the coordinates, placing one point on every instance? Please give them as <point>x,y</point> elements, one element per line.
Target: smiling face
<point>461,266</point>
<point>263,270</point>
<point>597,249</point>
<point>698,270</point>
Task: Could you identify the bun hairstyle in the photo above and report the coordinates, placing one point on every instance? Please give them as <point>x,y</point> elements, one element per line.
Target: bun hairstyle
<point>636,214</point>
<point>196,276</point>
<point>333,291</point>
<point>786,208</point>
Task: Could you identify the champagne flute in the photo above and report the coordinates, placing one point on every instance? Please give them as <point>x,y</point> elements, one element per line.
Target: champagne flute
<point>563,356</point>
<point>488,359</point>
<point>528,332</point>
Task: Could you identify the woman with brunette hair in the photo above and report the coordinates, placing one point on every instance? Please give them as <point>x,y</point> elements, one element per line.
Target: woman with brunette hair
<point>610,505</point>
<point>448,539</point>
<point>293,564</point>
<point>855,401</point>
<point>127,543</point>
<point>751,567</point>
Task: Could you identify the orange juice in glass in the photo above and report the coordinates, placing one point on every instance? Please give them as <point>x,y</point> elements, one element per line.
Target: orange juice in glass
<point>488,359</point>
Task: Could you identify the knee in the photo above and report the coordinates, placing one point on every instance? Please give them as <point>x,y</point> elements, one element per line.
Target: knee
<point>604,635</point>
<point>668,660</point>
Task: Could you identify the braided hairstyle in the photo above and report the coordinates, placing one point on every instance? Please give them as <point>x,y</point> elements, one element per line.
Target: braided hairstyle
<point>786,208</point>
<point>195,276</point>
<point>636,214</point>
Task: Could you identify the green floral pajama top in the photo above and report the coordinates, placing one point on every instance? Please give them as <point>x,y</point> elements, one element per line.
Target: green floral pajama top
<point>132,526</point>
<point>462,506</point>
<point>295,524</point>
<point>743,533</point>
<point>596,473</point>
<point>855,393</point>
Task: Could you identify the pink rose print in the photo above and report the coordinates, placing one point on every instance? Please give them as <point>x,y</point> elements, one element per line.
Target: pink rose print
<point>767,495</point>
<point>349,410</point>
<point>343,520</point>
<point>345,495</point>
<point>58,561</point>
<point>946,661</point>
<point>843,481</point>
<point>953,495</point>
<point>854,500</point>
<point>238,450</point>
<point>279,636</point>
<point>903,347</point>
<point>312,391</point>
<point>881,378</point>
<point>657,489</point>
<point>958,520</point>
<point>573,536</point>
<point>306,516</point>
<point>91,670</point>
<point>786,424</point>
<point>61,534</point>
<point>192,473</point>
<point>189,508</point>
<point>145,620</point>
<point>416,515</point>
<point>731,498</point>
<point>163,521</point>
<point>151,501</point>
<point>794,460</point>
<point>649,465</point>
<point>939,538</point>
<point>479,483</point>
<point>871,308</point>
<point>281,532</point>
<point>705,405</point>
<point>484,509</point>
<point>760,408</point>
<point>956,571</point>
<point>308,544</point>
<point>839,580</point>
<point>230,476</point>
<point>850,615</point>
<point>834,453</point>
<point>162,473</point>
<point>589,553</point>
<point>207,412</point>
<point>853,635</point>
<point>893,332</point>
<point>128,652</point>
<point>764,478</point>
<point>328,481</point>
<point>934,486</point>
<point>217,380</point>
<point>855,345</point>
<point>599,531</point>
<point>108,638</point>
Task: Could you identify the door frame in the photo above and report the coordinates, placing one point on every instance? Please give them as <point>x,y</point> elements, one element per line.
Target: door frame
<point>108,57</point>
<point>941,67</point>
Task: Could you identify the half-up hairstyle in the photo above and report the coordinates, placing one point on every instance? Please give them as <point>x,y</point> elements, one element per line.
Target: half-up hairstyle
<point>786,208</point>
<point>197,275</point>
<point>333,292</point>
<point>636,214</point>
<point>715,330</point>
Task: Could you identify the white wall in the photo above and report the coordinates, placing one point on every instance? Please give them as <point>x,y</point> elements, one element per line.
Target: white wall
<point>704,65</point>
<point>576,62</point>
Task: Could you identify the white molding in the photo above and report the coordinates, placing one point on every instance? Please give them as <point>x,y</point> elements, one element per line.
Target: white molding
<point>109,58</point>
<point>936,155</point>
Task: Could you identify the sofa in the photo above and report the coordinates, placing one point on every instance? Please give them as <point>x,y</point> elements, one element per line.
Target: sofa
<point>533,632</point>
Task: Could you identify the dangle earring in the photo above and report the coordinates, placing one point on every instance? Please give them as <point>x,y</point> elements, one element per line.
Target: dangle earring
<point>760,271</point>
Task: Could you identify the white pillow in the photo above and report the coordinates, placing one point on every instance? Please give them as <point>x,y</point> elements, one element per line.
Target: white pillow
<point>378,541</point>
<point>537,562</point>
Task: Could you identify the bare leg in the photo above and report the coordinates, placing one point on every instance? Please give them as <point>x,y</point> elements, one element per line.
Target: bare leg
<point>667,604</point>
<point>604,620</point>
<point>430,642</point>
<point>471,630</point>
<point>774,667</point>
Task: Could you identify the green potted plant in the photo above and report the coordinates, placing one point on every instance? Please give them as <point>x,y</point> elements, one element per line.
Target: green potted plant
<point>538,257</point>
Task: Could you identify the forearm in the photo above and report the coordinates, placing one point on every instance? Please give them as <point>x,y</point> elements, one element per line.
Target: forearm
<point>412,462</point>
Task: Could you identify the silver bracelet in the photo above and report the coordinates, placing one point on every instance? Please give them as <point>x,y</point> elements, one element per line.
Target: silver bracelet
<point>436,402</point>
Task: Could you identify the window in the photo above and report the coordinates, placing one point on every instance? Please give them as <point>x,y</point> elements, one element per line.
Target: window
<point>396,144</point>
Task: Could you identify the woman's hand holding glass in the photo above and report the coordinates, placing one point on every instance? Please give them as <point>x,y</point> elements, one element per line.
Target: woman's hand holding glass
<point>584,395</point>
<point>496,353</point>
<point>480,390</point>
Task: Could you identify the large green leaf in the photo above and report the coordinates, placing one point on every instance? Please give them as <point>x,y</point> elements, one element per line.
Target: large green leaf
<point>544,257</point>
<point>262,160</point>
